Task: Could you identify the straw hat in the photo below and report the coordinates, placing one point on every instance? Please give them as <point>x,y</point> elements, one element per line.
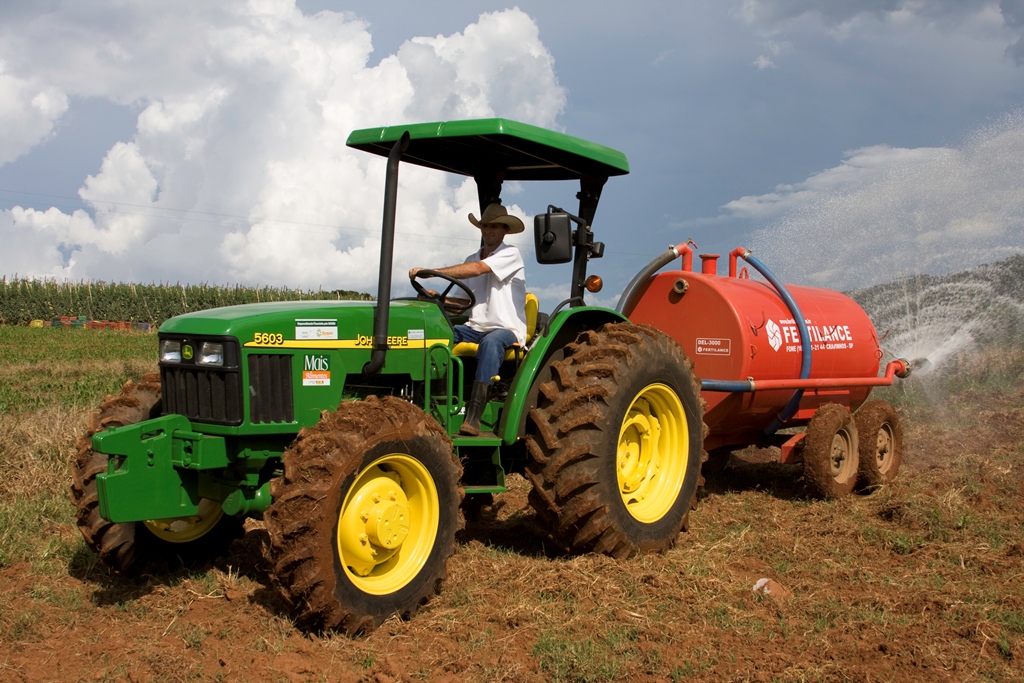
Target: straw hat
<point>496,213</point>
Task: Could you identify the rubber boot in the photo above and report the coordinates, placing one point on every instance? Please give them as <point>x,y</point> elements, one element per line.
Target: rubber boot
<point>475,408</point>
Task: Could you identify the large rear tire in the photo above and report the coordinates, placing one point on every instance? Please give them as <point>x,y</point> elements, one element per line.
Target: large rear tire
<point>830,452</point>
<point>126,546</point>
<point>881,443</point>
<point>616,442</point>
<point>364,519</point>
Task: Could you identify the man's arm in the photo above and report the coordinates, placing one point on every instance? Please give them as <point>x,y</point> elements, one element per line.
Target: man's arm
<point>459,272</point>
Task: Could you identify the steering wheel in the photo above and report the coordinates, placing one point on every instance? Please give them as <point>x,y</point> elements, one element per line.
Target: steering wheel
<point>442,298</point>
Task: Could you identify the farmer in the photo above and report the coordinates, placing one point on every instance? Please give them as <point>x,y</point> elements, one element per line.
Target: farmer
<point>496,275</point>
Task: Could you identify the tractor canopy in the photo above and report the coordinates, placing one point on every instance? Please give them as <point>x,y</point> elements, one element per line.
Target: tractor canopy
<point>481,147</point>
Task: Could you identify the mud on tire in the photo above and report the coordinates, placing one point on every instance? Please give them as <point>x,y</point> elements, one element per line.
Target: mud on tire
<point>615,388</point>
<point>127,546</point>
<point>363,466</point>
<point>830,452</point>
<point>880,435</point>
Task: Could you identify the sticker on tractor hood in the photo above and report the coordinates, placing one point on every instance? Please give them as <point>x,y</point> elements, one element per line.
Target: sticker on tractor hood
<point>316,328</point>
<point>714,347</point>
<point>316,371</point>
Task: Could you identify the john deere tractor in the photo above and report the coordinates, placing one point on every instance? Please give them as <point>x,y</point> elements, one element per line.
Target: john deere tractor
<point>336,422</point>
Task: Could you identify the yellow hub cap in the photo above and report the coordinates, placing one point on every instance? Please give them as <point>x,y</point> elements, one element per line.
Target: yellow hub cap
<point>185,529</point>
<point>653,451</point>
<point>388,524</point>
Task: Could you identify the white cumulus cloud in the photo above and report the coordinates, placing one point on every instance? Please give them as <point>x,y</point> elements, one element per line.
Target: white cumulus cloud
<point>868,19</point>
<point>237,170</point>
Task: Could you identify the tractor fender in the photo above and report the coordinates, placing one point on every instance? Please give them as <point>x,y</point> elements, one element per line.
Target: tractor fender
<point>548,348</point>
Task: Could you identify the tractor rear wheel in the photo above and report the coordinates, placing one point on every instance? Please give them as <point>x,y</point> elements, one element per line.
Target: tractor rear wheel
<point>364,519</point>
<point>830,452</point>
<point>127,545</point>
<point>881,443</point>
<point>616,442</point>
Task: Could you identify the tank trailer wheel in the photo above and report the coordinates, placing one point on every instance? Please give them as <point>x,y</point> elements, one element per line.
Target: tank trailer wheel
<point>830,452</point>
<point>364,519</point>
<point>123,546</point>
<point>616,442</point>
<point>881,443</point>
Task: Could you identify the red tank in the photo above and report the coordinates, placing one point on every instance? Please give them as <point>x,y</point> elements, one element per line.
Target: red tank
<point>738,329</point>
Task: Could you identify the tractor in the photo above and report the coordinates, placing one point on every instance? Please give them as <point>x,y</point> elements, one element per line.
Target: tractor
<point>336,423</point>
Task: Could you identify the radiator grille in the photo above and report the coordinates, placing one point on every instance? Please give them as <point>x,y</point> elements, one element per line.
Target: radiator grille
<point>202,395</point>
<point>270,388</point>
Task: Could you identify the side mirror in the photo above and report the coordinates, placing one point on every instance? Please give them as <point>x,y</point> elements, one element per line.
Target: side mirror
<point>552,237</point>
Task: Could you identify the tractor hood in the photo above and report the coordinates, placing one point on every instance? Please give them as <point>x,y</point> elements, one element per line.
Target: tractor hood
<point>311,324</point>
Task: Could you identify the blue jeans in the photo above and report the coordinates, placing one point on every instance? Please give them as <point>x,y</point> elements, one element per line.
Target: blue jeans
<point>492,349</point>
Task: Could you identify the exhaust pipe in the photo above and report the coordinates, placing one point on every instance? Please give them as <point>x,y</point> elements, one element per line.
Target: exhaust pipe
<point>387,253</point>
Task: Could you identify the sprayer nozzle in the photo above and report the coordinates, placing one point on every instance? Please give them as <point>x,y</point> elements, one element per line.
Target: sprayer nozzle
<point>916,365</point>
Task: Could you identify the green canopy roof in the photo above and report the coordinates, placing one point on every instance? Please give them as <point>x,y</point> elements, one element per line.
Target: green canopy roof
<point>480,147</point>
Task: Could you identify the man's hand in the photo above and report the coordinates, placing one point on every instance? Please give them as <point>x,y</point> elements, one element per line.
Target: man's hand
<point>413,272</point>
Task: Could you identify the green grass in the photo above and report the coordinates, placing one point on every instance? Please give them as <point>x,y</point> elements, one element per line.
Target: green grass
<point>580,660</point>
<point>42,367</point>
<point>24,520</point>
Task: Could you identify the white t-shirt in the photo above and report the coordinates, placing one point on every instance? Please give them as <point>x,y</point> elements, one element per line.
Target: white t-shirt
<point>500,294</point>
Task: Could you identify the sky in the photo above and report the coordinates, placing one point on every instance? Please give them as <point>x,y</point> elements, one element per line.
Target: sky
<point>846,142</point>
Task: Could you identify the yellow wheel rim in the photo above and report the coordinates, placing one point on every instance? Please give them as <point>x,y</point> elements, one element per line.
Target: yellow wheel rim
<point>388,524</point>
<point>185,529</point>
<point>653,453</point>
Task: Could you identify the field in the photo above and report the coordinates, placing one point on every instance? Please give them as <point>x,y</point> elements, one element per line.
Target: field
<point>920,581</point>
<point>25,299</point>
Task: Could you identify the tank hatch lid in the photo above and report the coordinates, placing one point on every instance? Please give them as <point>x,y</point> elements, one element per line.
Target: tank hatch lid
<point>479,147</point>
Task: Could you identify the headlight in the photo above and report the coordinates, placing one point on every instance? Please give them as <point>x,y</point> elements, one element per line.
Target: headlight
<point>170,351</point>
<point>211,353</point>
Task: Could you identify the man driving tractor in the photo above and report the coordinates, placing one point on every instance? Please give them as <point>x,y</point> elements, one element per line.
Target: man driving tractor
<point>496,275</point>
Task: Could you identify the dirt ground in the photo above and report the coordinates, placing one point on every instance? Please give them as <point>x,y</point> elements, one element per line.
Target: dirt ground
<point>920,581</point>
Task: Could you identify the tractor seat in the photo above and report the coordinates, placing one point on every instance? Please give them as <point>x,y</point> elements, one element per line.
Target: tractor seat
<point>468,349</point>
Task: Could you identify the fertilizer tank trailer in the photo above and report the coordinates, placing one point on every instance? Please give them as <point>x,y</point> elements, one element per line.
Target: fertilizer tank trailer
<point>771,356</point>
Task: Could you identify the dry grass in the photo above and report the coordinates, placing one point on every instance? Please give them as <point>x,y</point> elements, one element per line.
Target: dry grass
<point>35,448</point>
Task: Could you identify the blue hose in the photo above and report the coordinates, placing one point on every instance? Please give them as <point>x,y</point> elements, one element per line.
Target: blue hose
<point>805,342</point>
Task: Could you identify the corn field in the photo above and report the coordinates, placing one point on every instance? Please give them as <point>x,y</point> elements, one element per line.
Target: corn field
<point>23,300</point>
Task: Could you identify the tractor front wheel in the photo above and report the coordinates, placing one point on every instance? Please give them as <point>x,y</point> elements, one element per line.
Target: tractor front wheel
<point>830,452</point>
<point>127,545</point>
<point>616,442</point>
<point>364,519</point>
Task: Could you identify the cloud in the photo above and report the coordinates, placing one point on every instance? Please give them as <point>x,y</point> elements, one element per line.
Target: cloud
<point>837,12</point>
<point>237,170</point>
<point>1013,14</point>
<point>844,17</point>
<point>858,169</point>
<point>886,212</point>
<point>28,109</point>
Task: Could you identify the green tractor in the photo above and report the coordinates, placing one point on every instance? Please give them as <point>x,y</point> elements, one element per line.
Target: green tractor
<point>336,422</point>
